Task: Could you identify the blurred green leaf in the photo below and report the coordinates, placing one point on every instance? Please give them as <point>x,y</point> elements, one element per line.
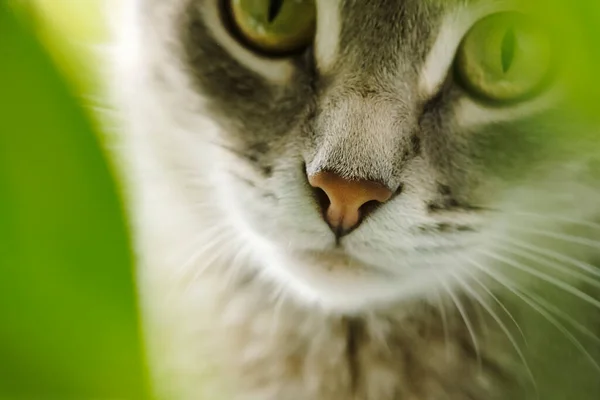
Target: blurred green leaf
<point>74,31</point>
<point>576,28</point>
<point>68,312</point>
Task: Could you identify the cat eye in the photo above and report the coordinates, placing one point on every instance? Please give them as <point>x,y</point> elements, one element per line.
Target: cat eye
<point>505,57</point>
<point>274,27</point>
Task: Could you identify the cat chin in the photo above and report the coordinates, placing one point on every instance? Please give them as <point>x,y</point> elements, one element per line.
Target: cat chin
<point>338,284</point>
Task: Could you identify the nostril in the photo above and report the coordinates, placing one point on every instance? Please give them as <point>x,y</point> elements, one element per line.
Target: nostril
<point>322,199</point>
<point>372,205</point>
<point>368,208</point>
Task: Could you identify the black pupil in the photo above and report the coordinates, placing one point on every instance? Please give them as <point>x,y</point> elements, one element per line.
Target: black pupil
<point>274,9</point>
<point>508,49</point>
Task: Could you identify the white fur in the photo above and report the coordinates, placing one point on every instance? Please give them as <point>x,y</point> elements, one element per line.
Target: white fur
<point>327,37</point>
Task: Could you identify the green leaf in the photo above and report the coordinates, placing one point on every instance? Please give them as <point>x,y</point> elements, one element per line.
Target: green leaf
<point>68,312</point>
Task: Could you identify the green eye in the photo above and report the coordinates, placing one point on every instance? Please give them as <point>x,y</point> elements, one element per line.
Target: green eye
<point>275,26</point>
<point>505,57</point>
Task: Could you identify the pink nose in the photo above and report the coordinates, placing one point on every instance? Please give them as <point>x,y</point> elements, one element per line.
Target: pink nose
<point>347,200</point>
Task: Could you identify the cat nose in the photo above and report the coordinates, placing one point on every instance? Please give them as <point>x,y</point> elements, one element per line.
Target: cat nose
<point>346,202</point>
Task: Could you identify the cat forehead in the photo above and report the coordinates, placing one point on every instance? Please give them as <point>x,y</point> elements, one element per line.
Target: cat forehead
<point>348,31</point>
<point>393,35</point>
<point>373,34</point>
<point>350,21</point>
<point>368,42</point>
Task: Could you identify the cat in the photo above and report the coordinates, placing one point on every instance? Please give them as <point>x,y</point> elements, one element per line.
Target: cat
<point>366,200</point>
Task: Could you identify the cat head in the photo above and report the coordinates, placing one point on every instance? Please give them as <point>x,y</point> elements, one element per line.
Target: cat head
<point>366,151</point>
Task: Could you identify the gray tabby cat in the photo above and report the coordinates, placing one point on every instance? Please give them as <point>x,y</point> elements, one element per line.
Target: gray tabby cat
<point>359,199</point>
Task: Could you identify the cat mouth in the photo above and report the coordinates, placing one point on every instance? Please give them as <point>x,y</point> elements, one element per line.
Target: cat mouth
<point>342,282</point>
<point>332,260</point>
<point>337,261</point>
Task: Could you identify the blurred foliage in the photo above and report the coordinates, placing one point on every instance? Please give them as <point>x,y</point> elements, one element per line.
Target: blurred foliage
<point>69,324</point>
<point>74,31</point>
<point>575,25</point>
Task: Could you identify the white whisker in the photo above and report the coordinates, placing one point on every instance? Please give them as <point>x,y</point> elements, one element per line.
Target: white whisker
<point>501,324</point>
<point>493,296</point>
<point>550,264</point>
<point>215,256</point>
<point>557,218</point>
<point>191,262</point>
<point>236,266</point>
<point>561,314</point>
<point>560,236</point>
<point>545,277</point>
<point>562,329</point>
<point>280,299</point>
<point>191,244</point>
<point>442,309</point>
<point>548,252</point>
<point>521,294</point>
<point>466,320</point>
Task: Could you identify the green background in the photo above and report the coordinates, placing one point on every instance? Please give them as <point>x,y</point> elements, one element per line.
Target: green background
<point>68,313</point>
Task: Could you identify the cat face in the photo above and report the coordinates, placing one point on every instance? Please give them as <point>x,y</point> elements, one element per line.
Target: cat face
<point>371,151</point>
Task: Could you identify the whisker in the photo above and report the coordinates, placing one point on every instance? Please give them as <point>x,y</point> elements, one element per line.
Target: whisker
<point>545,277</point>
<point>494,297</point>
<point>206,264</point>
<point>561,314</point>
<point>502,326</point>
<point>194,240</point>
<point>548,252</point>
<point>238,262</point>
<point>551,264</point>
<point>521,294</point>
<point>280,299</point>
<point>559,236</point>
<point>558,218</point>
<point>236,265</point>
<point>216,241</point>
<point>442,309</point>
<point>466,320</point>
<point>563,330</point>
